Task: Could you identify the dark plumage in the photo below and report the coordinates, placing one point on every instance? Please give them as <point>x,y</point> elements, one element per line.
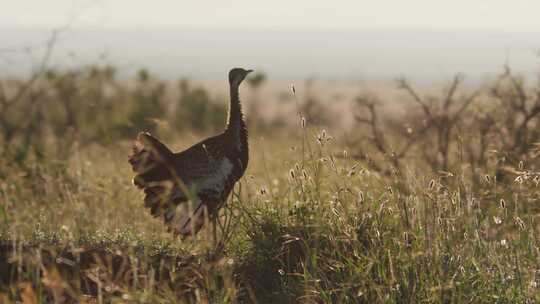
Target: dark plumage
<point>203,174</point>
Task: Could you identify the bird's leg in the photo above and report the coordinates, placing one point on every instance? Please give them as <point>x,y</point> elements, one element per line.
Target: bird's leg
<point>214,231</point>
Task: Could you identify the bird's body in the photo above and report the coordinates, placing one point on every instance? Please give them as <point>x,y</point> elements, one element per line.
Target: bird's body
<point>186,187</point>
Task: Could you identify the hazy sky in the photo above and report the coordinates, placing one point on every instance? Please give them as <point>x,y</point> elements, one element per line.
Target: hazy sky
<point>505,15</point>
<point>293,39</point>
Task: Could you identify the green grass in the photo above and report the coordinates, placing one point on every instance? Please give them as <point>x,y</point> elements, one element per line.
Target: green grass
<point>306,224</point>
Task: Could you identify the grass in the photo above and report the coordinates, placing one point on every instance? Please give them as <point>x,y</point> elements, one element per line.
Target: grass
<point>428,199</point>
<point>308,227</point>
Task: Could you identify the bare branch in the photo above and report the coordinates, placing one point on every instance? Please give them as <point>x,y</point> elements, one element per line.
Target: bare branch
<point>453,87</point>
<point>3,96</point>
<point>410,143</point>
<point>404,85</point>
<point>40,70</point>
<point>464,106</point>
<point>518,87</point>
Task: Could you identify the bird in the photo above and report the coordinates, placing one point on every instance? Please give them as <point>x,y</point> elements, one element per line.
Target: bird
<point>188,188</point>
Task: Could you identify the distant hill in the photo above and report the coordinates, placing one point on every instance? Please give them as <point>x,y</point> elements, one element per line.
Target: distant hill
<point>205,53</point>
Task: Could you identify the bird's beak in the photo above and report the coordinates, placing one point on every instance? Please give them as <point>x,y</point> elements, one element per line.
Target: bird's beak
<point>248,71</point>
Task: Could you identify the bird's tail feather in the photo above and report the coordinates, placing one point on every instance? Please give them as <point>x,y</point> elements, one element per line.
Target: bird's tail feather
<point>187,220</point>
<point>150,159</point>
<point>152,162</point>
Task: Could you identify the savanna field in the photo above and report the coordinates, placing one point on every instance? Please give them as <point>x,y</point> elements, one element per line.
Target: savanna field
<point>431,196</point>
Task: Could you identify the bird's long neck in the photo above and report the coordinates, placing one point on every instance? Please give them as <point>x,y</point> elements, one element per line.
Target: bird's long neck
<point>236,127</point>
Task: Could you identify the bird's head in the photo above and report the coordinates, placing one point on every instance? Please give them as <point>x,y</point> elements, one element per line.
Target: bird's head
<point>237,75</point>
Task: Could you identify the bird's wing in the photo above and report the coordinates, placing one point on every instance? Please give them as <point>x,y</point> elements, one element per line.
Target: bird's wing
<point>196,175</point>
<point>149,154</point>
<point>206,179</point>
<point>152,162</point>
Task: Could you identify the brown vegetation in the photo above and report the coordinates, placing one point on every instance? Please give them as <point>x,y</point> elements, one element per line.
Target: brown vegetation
<point>437,203</point>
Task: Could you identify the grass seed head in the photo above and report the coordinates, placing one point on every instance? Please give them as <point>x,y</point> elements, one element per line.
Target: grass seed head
<point>536,180</point>
<point>292,174</point>
<point>360,196</point>
<point>520,223</point>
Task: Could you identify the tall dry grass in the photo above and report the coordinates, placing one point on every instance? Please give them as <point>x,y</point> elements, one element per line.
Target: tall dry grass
<point>312,221</point>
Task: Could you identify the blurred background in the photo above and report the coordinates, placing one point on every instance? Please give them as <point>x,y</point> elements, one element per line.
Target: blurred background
<point>98,72</point>
<point>428,41</point>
